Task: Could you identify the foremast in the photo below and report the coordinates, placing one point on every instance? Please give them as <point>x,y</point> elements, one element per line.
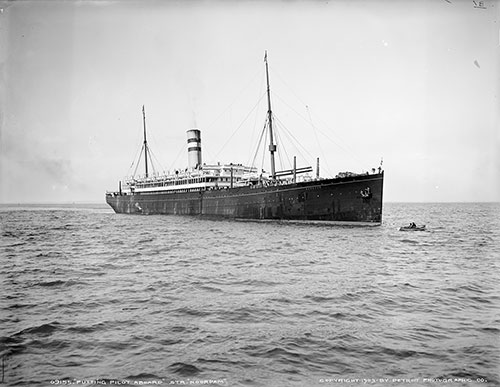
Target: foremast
<point>272,146</point>
<point>145,144</point>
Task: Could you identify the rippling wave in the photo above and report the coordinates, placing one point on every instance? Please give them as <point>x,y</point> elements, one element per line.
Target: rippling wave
<point>97,298</point>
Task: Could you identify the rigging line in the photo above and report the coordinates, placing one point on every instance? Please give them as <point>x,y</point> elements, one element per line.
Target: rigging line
<point>239,126</point>
<point>301,155</point>
<point>258,145</point>
<point>207,152</point>
<point>151,153</point>
<point>347,151</point>
<point>298,144</point>
<point>135,158</point>
<point>147,150</point>
<point>151,156</point>
<point>234,100</point>
<point>281,149</point>
<point>138,139</point>
<point>264,152</point>
<point>288,86</point>
<point>283,131</point>
<point>135,171</point>
<point>257,113</point>
<point>177,157</point>
<point>307,107</point>
<point>277,143</point>
<point>319,144</point>
<point>284,148</point>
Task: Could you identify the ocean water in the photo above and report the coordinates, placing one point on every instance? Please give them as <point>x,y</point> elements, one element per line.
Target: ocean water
<point>90,297</point>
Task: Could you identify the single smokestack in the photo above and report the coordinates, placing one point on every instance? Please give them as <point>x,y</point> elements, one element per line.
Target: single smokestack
<point>194,148</point>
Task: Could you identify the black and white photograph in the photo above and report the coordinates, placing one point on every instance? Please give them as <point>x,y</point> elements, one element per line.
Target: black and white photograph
<point>254,193</point>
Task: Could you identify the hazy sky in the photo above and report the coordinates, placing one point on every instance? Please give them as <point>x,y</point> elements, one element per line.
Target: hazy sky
<point>413,82</point>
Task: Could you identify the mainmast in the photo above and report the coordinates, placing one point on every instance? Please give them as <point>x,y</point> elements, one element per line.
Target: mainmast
<point>145,141</point>
<point>272,146</point>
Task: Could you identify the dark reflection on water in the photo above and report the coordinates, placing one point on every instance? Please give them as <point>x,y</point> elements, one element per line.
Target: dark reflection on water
<point>90,295</point>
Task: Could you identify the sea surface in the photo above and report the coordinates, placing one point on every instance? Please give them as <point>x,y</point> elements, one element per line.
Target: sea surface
<point>90,297</point>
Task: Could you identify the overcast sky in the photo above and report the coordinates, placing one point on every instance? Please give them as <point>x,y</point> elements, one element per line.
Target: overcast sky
<point>413,82</point>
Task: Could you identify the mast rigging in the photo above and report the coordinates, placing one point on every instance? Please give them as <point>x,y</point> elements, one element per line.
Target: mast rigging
<point>145,146</point>
<point>272,146</point>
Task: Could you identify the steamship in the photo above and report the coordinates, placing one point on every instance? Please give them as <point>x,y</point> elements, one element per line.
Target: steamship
<point>243,192</point>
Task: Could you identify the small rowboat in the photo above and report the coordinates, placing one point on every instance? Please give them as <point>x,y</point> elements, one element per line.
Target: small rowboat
<point>409,228</point>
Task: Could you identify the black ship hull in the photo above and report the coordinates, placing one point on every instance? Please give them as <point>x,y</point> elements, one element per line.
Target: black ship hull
<point>350,199</point>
